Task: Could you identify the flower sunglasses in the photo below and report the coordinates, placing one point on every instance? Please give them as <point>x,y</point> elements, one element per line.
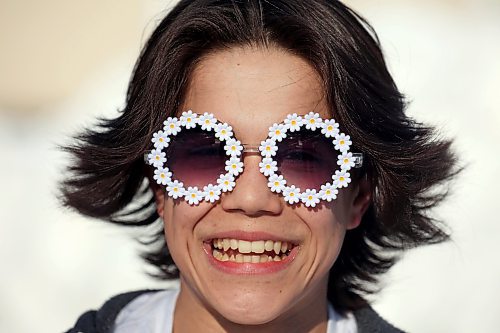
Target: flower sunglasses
<point>302,152</point>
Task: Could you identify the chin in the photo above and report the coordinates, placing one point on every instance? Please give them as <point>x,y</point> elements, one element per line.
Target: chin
<point>253,309</point>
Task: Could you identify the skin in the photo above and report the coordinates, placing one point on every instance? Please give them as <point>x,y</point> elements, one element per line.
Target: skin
<point>251,88</point>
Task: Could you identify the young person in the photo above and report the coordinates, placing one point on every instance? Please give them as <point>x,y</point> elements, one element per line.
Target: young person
<point>272,144</point>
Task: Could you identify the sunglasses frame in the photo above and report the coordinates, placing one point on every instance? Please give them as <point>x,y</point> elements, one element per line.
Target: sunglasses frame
<point>268,166</point>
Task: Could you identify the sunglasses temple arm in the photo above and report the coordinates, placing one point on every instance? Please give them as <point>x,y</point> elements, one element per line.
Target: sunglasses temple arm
<point>145,156</point>
<point>358,160</point>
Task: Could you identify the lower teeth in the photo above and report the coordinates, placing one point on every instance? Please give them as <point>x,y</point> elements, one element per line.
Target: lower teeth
<point>241,258</point>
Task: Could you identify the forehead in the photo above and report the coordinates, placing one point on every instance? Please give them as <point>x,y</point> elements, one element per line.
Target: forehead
<point>251,88</point>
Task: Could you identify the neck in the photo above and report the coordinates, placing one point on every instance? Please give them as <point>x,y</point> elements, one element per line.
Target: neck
<point>193,315</point>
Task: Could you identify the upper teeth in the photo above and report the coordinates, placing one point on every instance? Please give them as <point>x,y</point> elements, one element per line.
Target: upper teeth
<point>243,246</point>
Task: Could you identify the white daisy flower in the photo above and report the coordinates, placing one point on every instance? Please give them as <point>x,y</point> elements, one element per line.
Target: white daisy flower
<point>188,119</point>
<point>226,182</point>
<point>312,121</point>
<point>160,140</point>
<point>162,176</point>
<point>233,147</point>
<point>234,166</point>
<point>207,121</point>
<point>294,122</point>
<point>330,128</point>
<point>346,161</point>
<point>175,189</point>
<point>278,131</point>
<point>193,195</point>
<point>276,183</point>
<point>268,148</point>
<point>171,126</point>
<point>268,166</point>
<point>310,198</point>
<point>342,142</point>
<point>341,178</point>
<point>156,158</point>
<point>291,194</point>
<point>212,193</point>
<point>223,131</point>
<point>328,192</point>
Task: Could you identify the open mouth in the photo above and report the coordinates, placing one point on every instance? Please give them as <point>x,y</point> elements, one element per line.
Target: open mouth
<point>243,251</point>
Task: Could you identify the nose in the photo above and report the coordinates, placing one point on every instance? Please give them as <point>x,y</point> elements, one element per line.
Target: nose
<point>251,195</point>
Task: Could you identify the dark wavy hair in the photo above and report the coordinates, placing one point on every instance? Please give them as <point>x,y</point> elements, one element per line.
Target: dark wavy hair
<point>407,163</point>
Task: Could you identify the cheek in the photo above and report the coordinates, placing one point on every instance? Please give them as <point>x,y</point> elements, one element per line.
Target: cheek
<point>180,221</point>
<point>327,229</point>
<point>329,233</point>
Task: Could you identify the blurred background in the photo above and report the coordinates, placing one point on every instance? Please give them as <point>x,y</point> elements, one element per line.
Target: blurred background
<point>63,63</point>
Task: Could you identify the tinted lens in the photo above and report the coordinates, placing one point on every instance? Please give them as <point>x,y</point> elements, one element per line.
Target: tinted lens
<point>196,157</point>
<point>306,159</point>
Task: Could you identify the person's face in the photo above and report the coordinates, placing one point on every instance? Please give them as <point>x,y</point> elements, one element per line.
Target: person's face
<point>250,89</point>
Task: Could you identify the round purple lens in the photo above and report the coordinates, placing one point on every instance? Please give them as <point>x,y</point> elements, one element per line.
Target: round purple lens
<point>196,157</point>
<point>306,159</point>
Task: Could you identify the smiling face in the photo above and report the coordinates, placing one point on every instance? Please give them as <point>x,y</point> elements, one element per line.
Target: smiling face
<point>251,258</point>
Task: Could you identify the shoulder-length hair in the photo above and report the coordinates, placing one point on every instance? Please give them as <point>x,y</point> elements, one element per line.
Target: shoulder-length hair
<point>406,162</point>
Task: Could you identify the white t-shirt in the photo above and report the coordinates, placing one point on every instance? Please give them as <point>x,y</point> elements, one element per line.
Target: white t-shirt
<point>153,313</point>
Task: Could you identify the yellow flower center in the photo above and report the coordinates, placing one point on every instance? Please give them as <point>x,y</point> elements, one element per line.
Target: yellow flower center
<point>311,121</point>
<point>234,166</point>
<point>276,183</point>
<point>328,192</point>
<point>310,197</point>
<point>223,131</point>
<point>341,179</point>
<point>160,139</point>
<point>188,120</point>
<point>172,125</point>
<point>292,194</point>
<point>226,183</point>
<point>330,128</point>
<point>207,121</point>
<point>193,195</point>
<point>294,122</point>
<point>162,175</point>
<point>342,142</point>
<point>268,166</point>
<point>176,189</point>
<point>212,193</point>
<point>268,148</point>
<point>233,148</point>
<point>278,132</point>
<point>346,160</point>
<point>157,157</point>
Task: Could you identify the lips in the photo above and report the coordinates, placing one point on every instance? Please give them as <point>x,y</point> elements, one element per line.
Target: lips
<point>238,252</point>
